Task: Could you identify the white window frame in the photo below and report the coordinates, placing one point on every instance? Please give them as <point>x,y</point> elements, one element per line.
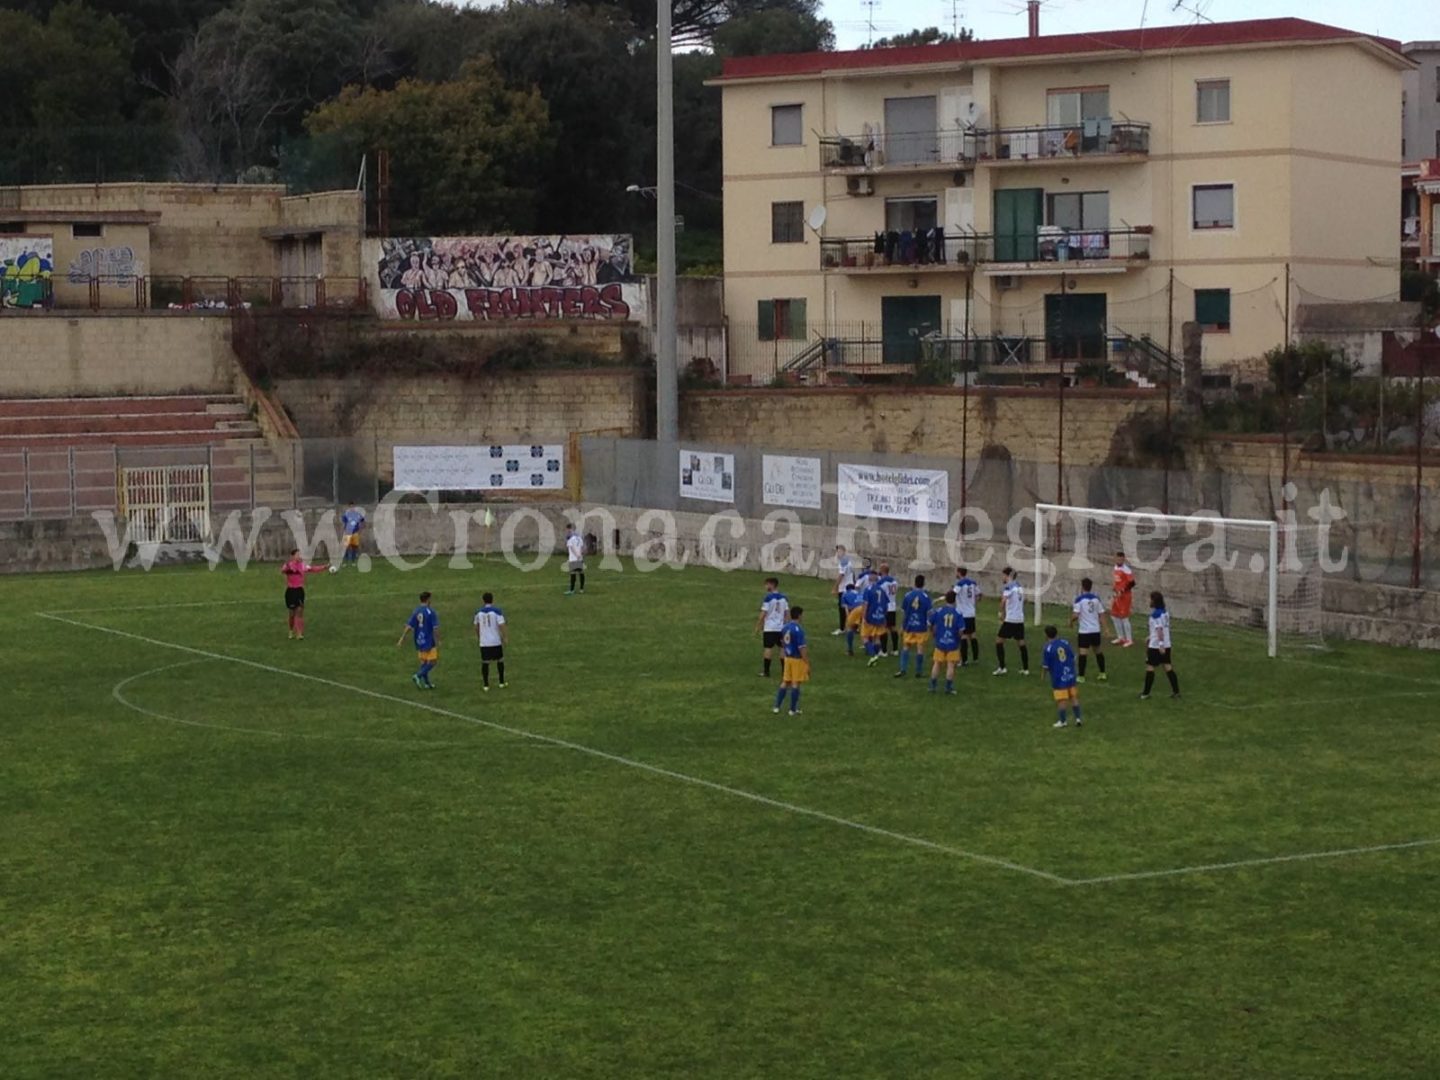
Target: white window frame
<point>1234,225</point>
<point>787,105</point>
<point>1229,100</point>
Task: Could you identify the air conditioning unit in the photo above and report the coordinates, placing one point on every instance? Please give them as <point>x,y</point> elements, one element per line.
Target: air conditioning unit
<point>859,185</point>
<point>1005,282</point>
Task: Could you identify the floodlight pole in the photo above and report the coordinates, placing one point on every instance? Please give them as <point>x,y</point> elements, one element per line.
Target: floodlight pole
<point>667,403</point>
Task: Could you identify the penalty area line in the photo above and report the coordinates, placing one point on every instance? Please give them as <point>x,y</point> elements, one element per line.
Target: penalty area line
<point>588,751</point>
<point>1240,864</point>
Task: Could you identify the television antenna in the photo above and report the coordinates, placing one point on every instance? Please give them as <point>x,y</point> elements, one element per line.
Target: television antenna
<point>870,6</point>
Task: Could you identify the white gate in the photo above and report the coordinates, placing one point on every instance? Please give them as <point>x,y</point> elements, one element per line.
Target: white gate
<point>167,504</point>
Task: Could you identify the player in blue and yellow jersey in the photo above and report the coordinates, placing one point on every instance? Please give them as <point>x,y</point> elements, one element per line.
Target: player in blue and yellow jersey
<point>1059,660</point>
<point>946,626</point>
<point>887,581</point>
<point>425,625</point>
<point>353,523</point>
<point>794,662</point>
<point>875,627</point>
<point>915,608</point>
<point>852,602</point>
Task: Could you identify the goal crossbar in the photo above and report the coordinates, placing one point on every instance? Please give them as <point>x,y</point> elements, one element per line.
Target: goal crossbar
<point>1043,511</point>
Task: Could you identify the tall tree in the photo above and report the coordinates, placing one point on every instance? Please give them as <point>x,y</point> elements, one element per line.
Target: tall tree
<point>465,155</point>
<point>694,22</point>
<point>249,74</point>
<point>582,64</point>
<point>775,30</point>
<point>69,97</point>
<point>931,35</point>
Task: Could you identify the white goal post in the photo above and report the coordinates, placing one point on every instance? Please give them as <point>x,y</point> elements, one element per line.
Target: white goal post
<point>1219,589</point>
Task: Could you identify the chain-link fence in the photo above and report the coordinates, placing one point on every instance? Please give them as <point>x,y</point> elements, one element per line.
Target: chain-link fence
<point>1374,533</point>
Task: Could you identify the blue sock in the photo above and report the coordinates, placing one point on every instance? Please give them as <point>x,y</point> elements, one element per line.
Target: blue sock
<point>425,670</point>
<point>1077,714</point>
<point>1062,715</point>
<point>794,699</point>
<point>919,664</point>
<point>850,641</point>
<point>932,682</point>
<point>871,649</point>
<point>779,697</point>
<point>949,685</point>
<point>904,661</point>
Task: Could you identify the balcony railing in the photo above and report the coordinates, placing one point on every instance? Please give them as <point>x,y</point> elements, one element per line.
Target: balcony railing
<point>1051,243</point>
<point>900,150</point>
<point>936,250</point>
<point>932,249</point>
<point>1093,138</point>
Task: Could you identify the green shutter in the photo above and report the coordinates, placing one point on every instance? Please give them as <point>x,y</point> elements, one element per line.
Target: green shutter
<point>766,319</point>
<point>797,328</point>
<point>1212,308</point>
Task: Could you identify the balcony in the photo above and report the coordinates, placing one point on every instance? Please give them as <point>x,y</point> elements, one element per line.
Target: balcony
<point>1051,249</point>
<point>900,151</point>
<point>1094,140</point>
<point>903,253</point>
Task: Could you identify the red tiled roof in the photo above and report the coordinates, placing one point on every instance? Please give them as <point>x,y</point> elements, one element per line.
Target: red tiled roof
<point>1157,38</point>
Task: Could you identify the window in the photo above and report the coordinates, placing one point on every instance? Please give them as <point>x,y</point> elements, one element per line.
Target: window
<point>1213,206</point>
<point>1212,309</point>
<point>1212,101</point>
<point>16,227</point>
<point>911,215</point>
<point>787,223</point>
<point>85,228</point>
<point>786,125</point>
<point>1071,108</point>
<point>1083,210</point>
<point>911,130</point>
<point>782,320</point>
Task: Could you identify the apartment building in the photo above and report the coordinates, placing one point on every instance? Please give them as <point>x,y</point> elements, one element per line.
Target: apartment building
<point>1055,197</point>
<point>1420,102</point>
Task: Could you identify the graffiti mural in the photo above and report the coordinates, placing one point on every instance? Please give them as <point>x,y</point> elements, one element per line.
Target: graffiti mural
<point>110,266</point>
<point>506,277</point>
<point>27,265</point>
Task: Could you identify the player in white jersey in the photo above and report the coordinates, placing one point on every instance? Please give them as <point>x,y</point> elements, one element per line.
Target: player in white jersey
<point>1085,614</point>
<point>774,614</point>
<point>1157,650</point>
<point>1012,622</point>
<point>967,598</point>
<point>844,578</point>
<point>574,558</point>
<point>490,632</point>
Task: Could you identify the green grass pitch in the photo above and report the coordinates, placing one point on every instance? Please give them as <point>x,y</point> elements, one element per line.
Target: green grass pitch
<point>226,854</point>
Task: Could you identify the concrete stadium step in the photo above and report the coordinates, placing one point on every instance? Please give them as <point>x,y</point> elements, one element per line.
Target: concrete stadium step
<point>202,437</point>
<point>113,406</point>
<point>99,425</point>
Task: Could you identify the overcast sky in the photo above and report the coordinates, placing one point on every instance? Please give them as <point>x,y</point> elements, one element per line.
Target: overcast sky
<point>1407,20</point>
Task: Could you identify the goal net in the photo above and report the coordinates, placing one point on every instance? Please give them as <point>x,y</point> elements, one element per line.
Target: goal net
<point>1265,575</point>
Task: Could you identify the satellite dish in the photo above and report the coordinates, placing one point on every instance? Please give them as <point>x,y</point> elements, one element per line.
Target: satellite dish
<point>817,218</point>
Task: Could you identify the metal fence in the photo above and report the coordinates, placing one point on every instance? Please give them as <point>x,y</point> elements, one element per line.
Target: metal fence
<point>1384,537</point>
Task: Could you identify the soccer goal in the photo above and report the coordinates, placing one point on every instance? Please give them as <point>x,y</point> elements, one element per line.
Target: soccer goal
<point>1260,574</point>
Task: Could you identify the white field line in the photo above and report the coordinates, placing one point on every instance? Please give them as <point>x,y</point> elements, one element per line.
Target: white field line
<point>117,692</point>
<point>549,740</point>
<point>1238,864</point>
<point>589,751</point>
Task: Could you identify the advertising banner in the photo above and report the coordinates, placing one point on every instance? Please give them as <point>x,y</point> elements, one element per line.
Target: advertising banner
<point>708,476</point>
<point>899,494</point>
<point>479,468</point>
<point>792,481</point>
